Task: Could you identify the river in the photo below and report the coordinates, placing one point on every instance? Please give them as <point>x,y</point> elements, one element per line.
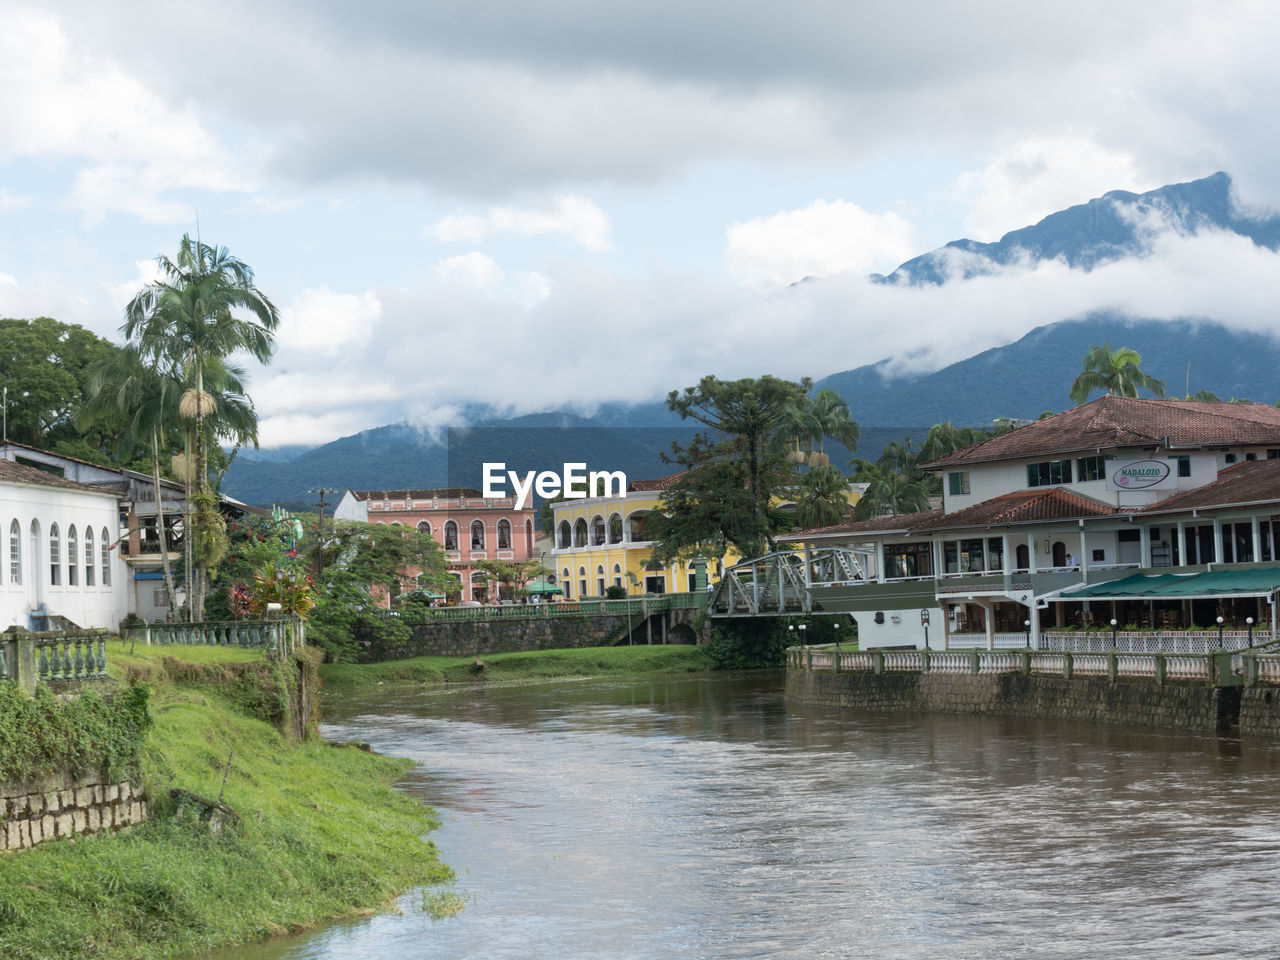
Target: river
<point>706,817</point>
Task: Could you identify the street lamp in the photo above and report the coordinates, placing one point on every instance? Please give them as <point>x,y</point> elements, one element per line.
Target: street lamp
<point>1249,621</point>
<point>1027,624</point>
<point>1219,633</point>
<point>836,627</point>
<point>1113,633</point>
<point>924,622</point>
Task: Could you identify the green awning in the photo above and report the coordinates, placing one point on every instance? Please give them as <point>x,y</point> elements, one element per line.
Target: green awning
<point>1218,583</point>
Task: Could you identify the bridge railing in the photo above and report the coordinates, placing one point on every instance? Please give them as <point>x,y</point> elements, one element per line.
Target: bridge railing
<point>649,604</point>
<point>49,657</point>
<point>1220,667</point>
<point>284,635</point>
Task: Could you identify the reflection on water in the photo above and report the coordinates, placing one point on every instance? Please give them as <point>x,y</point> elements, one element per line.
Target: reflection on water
<point>709,818</point>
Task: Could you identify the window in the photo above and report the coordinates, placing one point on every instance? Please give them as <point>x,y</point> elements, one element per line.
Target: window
<point>89,558</point>
<point>563,538</point>
<point>617,575</point>
<point>580,533</point>
<point>1184,466</point>
<point>582,580</point>
<point>450,535</point>
<point>1049,472</point>
<point>1251,456</point>
<point>159,598</point>
<point>504,534</point>
<point>106,559</point>
<point>55,556</point>
<point>1273,454</point>
<point>1091,468</point>
<point>597,531</point>
<point>477,535</point>
<point>424,527</point>
<point>615,529</point>
<point>564,579</point>
<point>958,482</point>
<point>15,553</point>
<point>1231,458</point>
<point>600,579</point>
<point>73,557</point>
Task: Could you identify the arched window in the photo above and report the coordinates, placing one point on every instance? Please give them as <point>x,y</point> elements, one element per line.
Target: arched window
<point>563,536</point>
<point>528,538</point>
<point>565,582</point>
<point>55,556</point>
<point>477,535</point>
<point>635,526</point>
<point>89,558</point>
<point>580,533</point>
<point>450,535</point>
<point>424,527</point>
<point>106,559</point>
<point>15,553</point>
<point>597,531</point>
<point>617,574</point>
<point>1022,557</point>
<point>582,580</point>
<point>615,528</point>
<point>1059,553</point>
<point>504,534</point>
<point>600,580</point>
<point>73,557</point>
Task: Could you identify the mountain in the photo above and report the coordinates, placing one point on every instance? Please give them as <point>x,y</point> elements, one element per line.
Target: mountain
<point>1104,229</point>
<point>1021,379</point>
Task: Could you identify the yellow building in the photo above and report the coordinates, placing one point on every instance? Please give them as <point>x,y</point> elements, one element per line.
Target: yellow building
<point>601,542</point>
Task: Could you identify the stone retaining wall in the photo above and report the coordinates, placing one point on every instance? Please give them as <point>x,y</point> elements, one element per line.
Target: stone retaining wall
<point>1260,711</point>
<point>1180,706</point>
<point>63,806</point>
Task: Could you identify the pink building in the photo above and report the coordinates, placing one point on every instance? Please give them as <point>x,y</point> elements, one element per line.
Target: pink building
<point>468,525</point>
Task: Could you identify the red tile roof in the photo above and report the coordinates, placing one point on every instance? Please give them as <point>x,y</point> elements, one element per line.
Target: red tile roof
<point>1110,422</point>
<point>449,493</point>
<point>898,521</point>
<point>1254,481</point>
<point>20,473</point>
<point>661,483</point>
<point>1025,506</point>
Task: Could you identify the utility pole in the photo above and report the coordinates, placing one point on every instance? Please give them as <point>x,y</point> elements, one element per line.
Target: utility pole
<point>320,531</point>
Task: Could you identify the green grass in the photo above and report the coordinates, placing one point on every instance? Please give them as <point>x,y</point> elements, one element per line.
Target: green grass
<point>323,836</point>
<point>527,666</point>
<point>146,662</point>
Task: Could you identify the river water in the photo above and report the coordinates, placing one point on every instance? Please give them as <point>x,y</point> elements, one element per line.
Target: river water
<point>707,817</point>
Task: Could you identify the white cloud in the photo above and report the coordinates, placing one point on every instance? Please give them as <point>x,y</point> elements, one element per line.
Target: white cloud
<point>8,281</point>
<point>575,218</point>
<point>322,321</point>
<point>73,104</point>
<point>10,201</point>
<point>822,239</point>
<point>1039,176</point>
<point>121,293</point>
<point>471,269</point>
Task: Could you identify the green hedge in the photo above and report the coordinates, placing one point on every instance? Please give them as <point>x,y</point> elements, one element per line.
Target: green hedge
<point>43,734</point>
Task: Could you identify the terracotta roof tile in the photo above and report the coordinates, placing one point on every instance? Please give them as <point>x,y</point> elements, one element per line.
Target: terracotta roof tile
<point>661,483</point>
<point>1125,421</point>
<point>1025,506</point>
<point>446,492</point>
<point>20,473</point>
<point>898,521</point>
<point>1253,481</point>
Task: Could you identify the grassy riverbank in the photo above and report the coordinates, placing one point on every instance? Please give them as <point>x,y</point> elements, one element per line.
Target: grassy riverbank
<point>323,835</point>
<point>531,665</point>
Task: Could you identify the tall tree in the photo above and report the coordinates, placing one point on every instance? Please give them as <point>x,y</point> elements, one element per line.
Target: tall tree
<point>822,497</point>
<point>204,308</point>
<point>735,468</point>
<point>1117,372</point>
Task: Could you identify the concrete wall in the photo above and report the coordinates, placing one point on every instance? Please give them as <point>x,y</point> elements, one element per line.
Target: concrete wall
<point>1196,707</point>
<point>63,806</point>
<point>480,638</point>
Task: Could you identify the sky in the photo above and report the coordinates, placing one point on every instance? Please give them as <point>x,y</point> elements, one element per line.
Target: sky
<point>554,203</point>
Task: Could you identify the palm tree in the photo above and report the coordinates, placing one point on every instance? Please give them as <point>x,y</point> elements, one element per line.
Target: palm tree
<point>890,491</point>
<point>821,498</point>
<point>127,385</point>
<point>812,420</point>
<point>1114,372</point>
<point>189,317</point>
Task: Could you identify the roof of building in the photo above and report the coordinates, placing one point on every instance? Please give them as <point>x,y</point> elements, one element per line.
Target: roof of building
<point>1025,506</point>
<point>448,493</point>
<point>661,483</point>
<point>1252,481</point>
<point>1111,421</point>
<point>20,473</point>
<point>897,521</point>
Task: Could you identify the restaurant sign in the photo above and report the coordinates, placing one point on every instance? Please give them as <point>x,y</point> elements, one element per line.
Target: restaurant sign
<point>1141,475</point>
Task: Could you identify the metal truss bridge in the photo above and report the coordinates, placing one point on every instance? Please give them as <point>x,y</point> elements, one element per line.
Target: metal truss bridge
<point>780,584</point>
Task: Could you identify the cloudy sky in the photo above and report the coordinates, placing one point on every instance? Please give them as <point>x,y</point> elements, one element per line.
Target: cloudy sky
<point>557,202</point>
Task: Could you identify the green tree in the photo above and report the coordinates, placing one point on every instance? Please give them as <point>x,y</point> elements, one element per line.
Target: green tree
<point>821,497</point>
<point>896,484</point>
<point>205,308</point>
<point>810,422</point>
<point>514,575</point>
<point>735,468</point>
<point>1115,372</point>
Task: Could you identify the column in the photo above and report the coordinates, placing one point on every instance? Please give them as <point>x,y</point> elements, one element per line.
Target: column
<point>937,558</point>
<point>1257,540</point>
<point>1181,543</point>
<point>1083,557</point>
<point>1005,563</point>
<point>1031,553</point>
<point>1218,552</point>
<point>1144,541</point>
<point>881,572</point>
<point>1033,614</point>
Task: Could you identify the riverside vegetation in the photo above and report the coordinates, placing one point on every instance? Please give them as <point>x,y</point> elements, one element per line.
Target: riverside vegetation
<point>322,834</point>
